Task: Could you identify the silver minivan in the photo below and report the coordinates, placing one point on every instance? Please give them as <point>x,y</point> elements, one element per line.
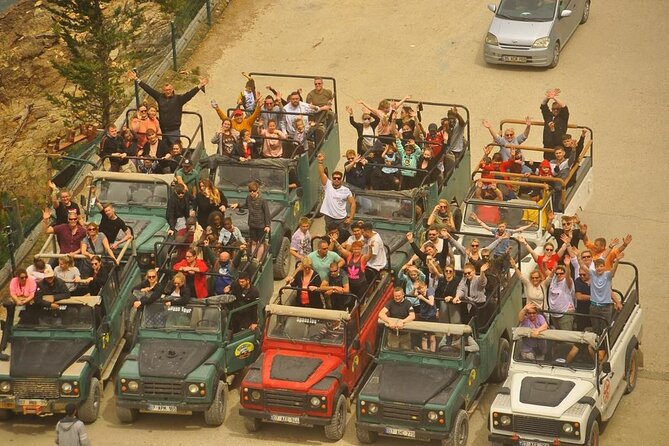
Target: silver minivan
<point>532,32</point>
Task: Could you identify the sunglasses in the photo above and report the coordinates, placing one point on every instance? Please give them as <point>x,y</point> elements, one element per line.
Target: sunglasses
<point>151,277</point>
<point>586,257</point>
<point>475,245</point>
<point>449,271</point>
<point>72,219</point>
<point>181,194</point>
<point>336,178</point>
<point>583,274</point>
<point>548,249</point>
<point>23,277</point>
<point>91,229</point>
<point>468,273</point>
<point>560,273</point>
<point>95,263</point>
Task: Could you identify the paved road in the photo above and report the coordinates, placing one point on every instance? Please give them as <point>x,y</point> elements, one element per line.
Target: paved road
<point>613,78</point>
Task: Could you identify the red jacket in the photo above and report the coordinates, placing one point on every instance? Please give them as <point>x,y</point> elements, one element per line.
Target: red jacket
<point>199,280</point>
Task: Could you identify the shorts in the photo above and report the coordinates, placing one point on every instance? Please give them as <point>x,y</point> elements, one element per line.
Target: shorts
<point>256,234</point>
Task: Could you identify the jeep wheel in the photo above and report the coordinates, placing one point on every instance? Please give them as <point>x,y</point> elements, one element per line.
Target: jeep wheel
<point>282,261</point>
<point>125,415</point>
<point>503,360</point>
<point>88,412</point>
<point>586,12</point>
<point>334,430</point>
<point>460,431</point>
<point>366,436</point>
<point>5,414</point>
<point>632,372</point>
<point>556,55</point>
<point>215,415</point>
<point>252,424</point>
<point>593,438</point>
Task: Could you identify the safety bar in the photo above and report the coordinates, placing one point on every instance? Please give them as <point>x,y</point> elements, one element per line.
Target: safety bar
<point>302,76</point>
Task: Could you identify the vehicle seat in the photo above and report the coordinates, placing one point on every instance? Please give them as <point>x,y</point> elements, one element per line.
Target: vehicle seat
<point>294,329</point>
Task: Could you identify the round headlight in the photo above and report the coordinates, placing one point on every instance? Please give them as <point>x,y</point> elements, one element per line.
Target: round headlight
<point>133,386</point>
<point>315,401</point>
<point>255,395</point>
<point>193,388</point>
<point>505,420</point>
<point>432,415</point>
<point>66,388</point>
<point>372,408</point>
<point>568,428</point>
<point>5,386</point>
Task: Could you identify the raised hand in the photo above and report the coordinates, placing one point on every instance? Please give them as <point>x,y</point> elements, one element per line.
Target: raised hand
<point>485,267</point>
<point>46,214</point>
<point>565,238</point>
<point>132,75</point>
<point>528,120</point>
<point>409,237</point>
<point>486,124</point>
<point>349,110</point>
<point>627,239</point>
<point>320,157</point>
<point>614,242</point>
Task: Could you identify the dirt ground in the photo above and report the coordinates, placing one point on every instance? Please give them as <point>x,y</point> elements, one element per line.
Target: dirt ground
<point>611,78</point>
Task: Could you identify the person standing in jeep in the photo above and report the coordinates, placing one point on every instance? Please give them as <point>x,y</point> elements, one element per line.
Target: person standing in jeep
<point>170,105</point>
<point>70,431</point>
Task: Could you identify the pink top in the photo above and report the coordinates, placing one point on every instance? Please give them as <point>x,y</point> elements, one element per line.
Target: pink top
<point>26,290</point>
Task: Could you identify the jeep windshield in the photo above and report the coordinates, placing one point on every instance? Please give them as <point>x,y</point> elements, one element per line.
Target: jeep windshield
<point>130,193</point>
<point>159,316</point>
<point>527,10</point>
<point>65,317</point>
<point>239,175</point>
<point>306,329</point>
<point>384,207</point>
<point>567,354</point>
<point>421,342</point>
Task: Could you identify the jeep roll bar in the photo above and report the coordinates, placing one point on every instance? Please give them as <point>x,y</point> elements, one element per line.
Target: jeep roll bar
<point>433,327</point>
<point>317,313</point>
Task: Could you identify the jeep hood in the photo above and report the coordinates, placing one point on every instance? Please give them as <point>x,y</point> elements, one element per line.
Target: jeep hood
<point>299,371</point>
<point>414,383</point>
<point>549,396</point>
<point>518,32</point>
<point>44,358</point>
<point>161,358</point>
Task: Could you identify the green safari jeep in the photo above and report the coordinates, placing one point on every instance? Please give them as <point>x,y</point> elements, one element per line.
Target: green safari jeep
<point>424,395</point>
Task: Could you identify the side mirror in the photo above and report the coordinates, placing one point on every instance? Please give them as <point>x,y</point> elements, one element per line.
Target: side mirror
<point>299,192</point>
<point>606,367</point>
<point>565,13</point>
<point>492,7</point>
<point>356,344</point>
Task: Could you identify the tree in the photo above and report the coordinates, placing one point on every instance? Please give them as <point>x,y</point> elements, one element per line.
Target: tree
<point>98,38</point>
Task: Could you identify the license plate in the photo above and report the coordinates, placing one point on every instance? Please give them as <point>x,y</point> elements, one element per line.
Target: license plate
<point>400,432</point>
<point>162,408</point>
<point>39,403</point>
<point>7,404</point>
<point>284,419</point>
<point>532,443</point>
<point>514,59</point>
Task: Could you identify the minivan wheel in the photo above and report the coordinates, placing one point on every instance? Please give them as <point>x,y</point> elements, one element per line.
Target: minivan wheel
<point>556,55</point>
<point>586,12</point>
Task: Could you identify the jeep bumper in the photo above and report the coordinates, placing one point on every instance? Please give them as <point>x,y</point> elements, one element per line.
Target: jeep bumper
<point>404,432</point>
<point>289,419</point>
<point>506,440</point>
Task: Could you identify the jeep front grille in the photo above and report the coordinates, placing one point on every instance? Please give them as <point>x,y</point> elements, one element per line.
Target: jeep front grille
<point>277,398</point>
<point>162,389</point>
<point>35,388</point>
<point>401,413</point>
<point>536,426</point>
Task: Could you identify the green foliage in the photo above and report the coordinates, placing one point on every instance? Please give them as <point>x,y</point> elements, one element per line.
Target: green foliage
<point>98,38</point>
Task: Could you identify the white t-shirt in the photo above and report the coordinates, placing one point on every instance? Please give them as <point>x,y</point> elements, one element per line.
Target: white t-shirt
<point>334,201</point>
<point>378,259</point>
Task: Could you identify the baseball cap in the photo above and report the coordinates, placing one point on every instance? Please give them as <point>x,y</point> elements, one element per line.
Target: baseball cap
<point>237,112</point>
<point>186,162</point>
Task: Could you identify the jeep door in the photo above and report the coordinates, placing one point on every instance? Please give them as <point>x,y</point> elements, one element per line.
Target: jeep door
<point>241,343</point>
<point>611,385</point>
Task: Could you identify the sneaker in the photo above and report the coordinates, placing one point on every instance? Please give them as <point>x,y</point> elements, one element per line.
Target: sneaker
<point>214,104</point>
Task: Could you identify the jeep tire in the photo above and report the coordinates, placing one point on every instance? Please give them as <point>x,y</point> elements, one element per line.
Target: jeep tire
<point>593,434</point>
<point>366,436</point>
<point>215,415</point>
<point>632,371</point>
<point>125,415</point>
<point>90,409</point>
<point>252,424</point>
<point>334,430</point>
<point>459,431</point>
<point>501,370</point>
<point>282,260</point>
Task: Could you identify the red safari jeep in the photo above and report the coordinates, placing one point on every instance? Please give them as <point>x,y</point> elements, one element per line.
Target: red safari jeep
<point>312,361</point>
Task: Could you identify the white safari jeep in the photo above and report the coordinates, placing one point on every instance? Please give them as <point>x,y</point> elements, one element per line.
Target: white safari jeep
<point>563,384</point>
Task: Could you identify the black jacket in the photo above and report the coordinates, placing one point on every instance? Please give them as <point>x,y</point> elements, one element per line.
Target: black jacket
<point>170,108</point>
<point>178,207</point>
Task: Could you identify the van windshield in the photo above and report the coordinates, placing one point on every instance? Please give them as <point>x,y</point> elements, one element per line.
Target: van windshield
<point>527,10</point>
